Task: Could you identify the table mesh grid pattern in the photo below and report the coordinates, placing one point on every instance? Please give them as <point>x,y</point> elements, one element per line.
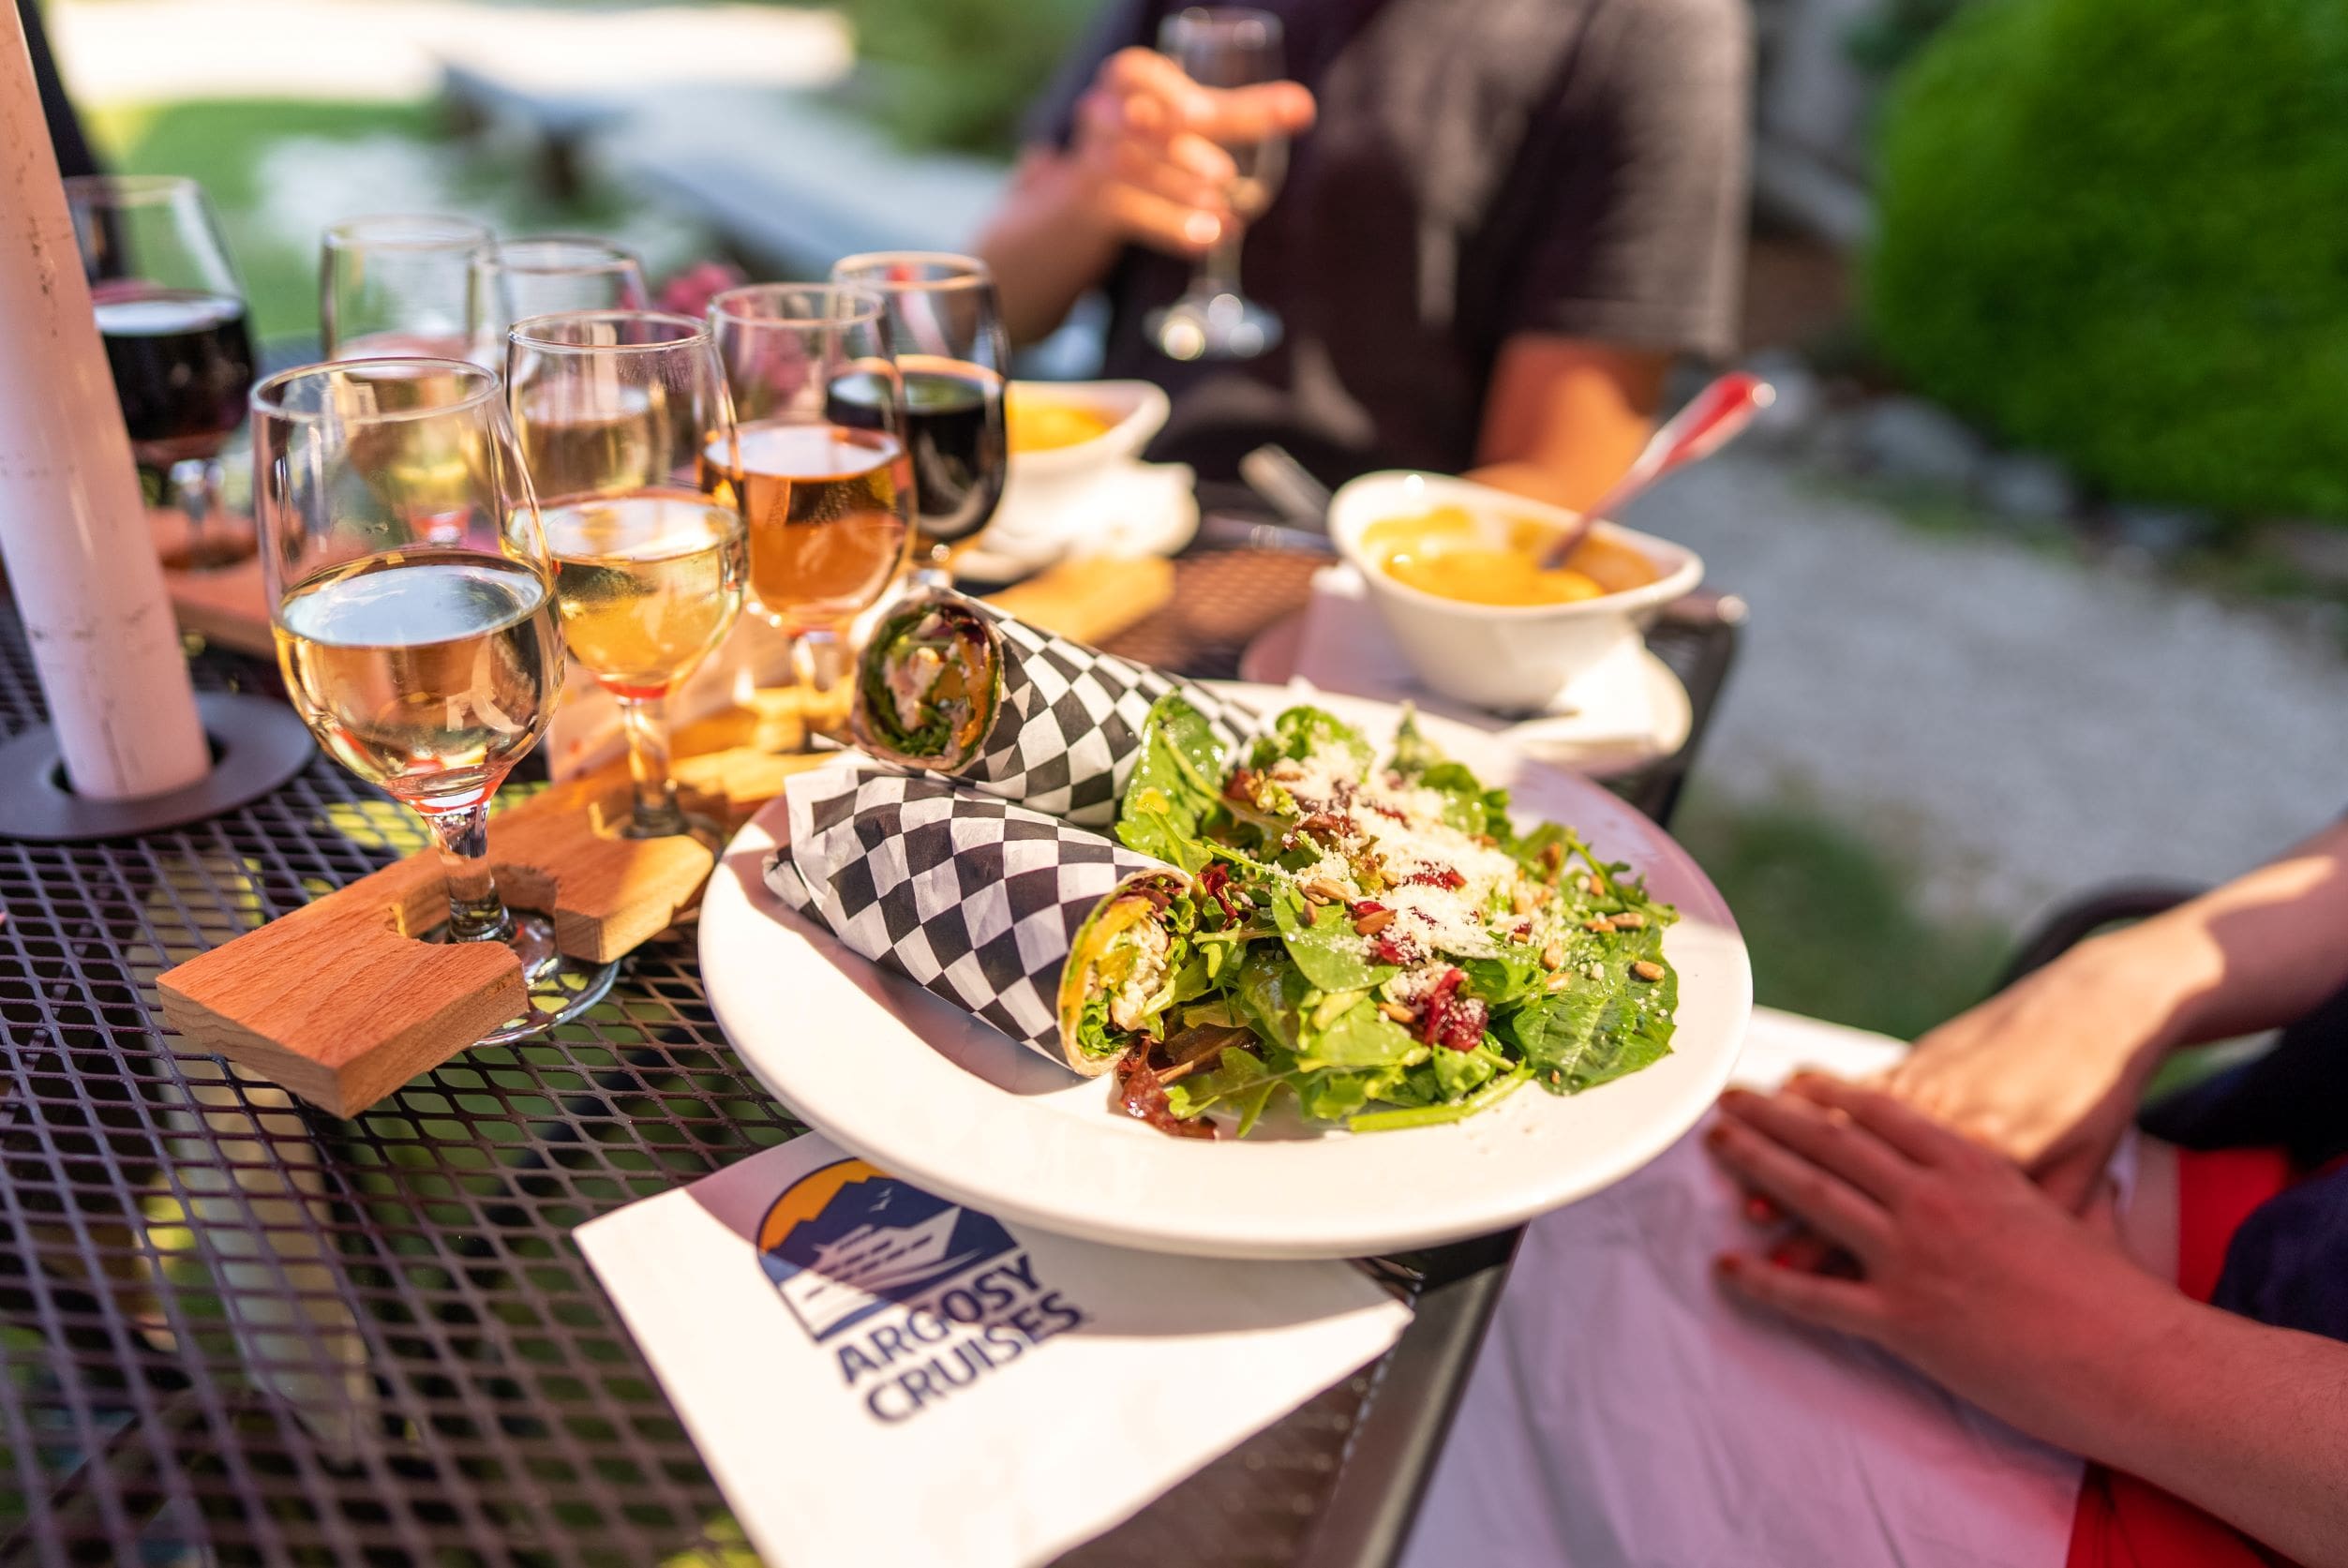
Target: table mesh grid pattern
<point>234,1329</point>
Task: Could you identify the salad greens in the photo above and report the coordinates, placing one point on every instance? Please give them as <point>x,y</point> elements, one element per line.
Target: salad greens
<point>1378,945</point>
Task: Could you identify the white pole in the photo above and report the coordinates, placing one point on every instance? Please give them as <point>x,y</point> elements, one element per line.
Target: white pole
<point>73,528</point>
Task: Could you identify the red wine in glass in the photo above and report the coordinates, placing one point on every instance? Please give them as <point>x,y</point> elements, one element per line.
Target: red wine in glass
<point>953,430</point>
<point>183,365</point>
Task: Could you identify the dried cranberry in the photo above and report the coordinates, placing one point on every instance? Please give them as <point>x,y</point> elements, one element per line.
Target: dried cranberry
<point>1215,882</point>
<point>1140,1096</point>
<point>1436,876</point>
<point>1450,1019</point>
<point>1388,947</point>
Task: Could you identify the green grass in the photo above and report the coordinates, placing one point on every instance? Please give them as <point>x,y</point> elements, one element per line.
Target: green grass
<point>225,142</point>
<point>1832,921</point>
<point>222,144</point>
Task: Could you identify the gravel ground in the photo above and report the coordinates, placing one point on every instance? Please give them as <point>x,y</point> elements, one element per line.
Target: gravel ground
<point>2017,726</point>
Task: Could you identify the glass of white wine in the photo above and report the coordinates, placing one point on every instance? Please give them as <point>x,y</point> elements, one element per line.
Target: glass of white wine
<point>820,468</point>
<point>426,659</point>
<point>404,286</point>
<point>542,274</point>
<point>615,410</point>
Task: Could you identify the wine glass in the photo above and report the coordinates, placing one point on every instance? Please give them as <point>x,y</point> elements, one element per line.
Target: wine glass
<point>825,500</point>
<point>173,317</point>
<point>614,411</point>
<point>545,274</point>
<point>1226,46</point>
<point>426,663</point>
<point>946,333</point>
<point>404,287</point>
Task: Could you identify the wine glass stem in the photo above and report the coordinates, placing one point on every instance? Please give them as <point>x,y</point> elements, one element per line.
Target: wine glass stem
<point>1218,271</point>
<point>646,722</point>
<point>816,658</point>
<point>930,569</point>
<point>475,912</point>
<point>196,491</point>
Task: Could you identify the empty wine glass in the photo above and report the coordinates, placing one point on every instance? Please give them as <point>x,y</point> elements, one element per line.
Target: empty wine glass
<point>1226,46</point>
<point>171,316</point>
<point>615,410</point>
<point>404,286</point>
<point>826,502</point>
<point>946,333</point>
<point>425,663</point>
<point>544,273</point>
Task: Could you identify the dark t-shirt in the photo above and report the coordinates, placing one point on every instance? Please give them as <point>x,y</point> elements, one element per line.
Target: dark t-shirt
<point>1479,169</point>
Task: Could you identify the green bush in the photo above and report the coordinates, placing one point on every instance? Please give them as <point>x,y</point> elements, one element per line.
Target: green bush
<point>2117,231</point>
<point>958,74</point>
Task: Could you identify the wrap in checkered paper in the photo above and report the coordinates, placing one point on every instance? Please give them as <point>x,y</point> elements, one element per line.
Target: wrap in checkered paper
<point>1067,728</point>
<point>976,899</point>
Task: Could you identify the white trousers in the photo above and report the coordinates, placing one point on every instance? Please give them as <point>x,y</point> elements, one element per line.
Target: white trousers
<point>1624,1413</point>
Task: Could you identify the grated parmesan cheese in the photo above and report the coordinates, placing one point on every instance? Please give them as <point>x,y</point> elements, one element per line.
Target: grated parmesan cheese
<point>1407,836</point>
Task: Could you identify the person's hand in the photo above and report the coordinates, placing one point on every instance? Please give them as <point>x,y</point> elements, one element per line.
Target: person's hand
<point>1965,1268</point>
<point>1150,143</point>
<point>2048,1072</point>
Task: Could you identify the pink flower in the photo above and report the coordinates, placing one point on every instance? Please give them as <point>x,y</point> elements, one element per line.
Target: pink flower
<point>689,292</point>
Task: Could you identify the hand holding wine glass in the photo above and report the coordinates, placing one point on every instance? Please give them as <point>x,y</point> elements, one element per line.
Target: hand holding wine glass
<point>427,662</point>
<point>1154,143</point>
<point>614,411</point>
<point>946,334</point>
<point>1227,48</point>
<point>172,319</point>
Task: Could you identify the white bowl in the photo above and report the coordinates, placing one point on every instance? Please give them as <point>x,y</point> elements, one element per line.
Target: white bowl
<point>1509,658</point>
<point>1135,411</point>
<point>1047,495</point>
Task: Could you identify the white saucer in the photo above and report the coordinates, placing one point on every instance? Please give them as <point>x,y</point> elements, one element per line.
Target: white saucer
<point>1557,739</point>
<point>1131,509</point>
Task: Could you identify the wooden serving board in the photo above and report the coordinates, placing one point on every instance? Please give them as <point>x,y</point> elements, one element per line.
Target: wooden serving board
<point>339,1003</point>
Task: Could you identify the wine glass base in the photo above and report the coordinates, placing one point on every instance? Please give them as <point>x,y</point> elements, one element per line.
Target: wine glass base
<point>560,987</point>
<point>690,824</point>
<point>1213,326</point>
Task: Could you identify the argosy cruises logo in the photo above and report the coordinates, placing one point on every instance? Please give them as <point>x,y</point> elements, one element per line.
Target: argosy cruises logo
<point>917,1297</point>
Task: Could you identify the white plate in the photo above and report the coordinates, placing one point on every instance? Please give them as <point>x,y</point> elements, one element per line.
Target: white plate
<point>1271,661</point>
<point>921,1089</point>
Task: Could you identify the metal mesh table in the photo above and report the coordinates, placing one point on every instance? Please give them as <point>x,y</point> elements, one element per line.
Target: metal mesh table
<point>234,1329</point>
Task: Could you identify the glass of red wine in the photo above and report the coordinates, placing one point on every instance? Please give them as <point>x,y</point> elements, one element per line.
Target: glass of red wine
<point>952,360</point>
<point>172,315</point>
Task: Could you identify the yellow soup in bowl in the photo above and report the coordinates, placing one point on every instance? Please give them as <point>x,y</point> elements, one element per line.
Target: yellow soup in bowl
<point>1041,425</point>
<point>1452,554</point>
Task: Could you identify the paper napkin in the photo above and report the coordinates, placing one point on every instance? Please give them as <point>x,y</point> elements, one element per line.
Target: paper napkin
<point>877,1375</point>
<point>1345,647</point>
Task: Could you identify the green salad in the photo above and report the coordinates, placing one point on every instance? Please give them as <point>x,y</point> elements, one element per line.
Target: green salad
<point>1371,936</point>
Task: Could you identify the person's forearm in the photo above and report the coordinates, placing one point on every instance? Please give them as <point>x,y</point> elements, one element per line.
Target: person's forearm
<point>1048,243</point>
<point>2244,1420</point>
<point>1563,417</point>
<point>2261,950</point>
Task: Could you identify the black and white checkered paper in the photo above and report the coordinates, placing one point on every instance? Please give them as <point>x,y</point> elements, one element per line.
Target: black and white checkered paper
<point>1069,730</point>
<point>976,899</point>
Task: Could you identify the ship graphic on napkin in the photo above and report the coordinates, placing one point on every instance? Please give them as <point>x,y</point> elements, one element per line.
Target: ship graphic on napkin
<point>846,1240</point>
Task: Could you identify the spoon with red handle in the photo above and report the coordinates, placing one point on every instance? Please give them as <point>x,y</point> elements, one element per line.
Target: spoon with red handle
<point>1709,422</point>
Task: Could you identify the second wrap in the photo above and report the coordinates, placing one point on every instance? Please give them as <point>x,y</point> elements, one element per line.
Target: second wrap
<point>949,685</point>
<point>978,899</point>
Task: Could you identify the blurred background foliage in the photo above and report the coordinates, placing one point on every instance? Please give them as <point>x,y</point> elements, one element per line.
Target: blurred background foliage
<point>958,75</point>
<point>2113,230</point>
